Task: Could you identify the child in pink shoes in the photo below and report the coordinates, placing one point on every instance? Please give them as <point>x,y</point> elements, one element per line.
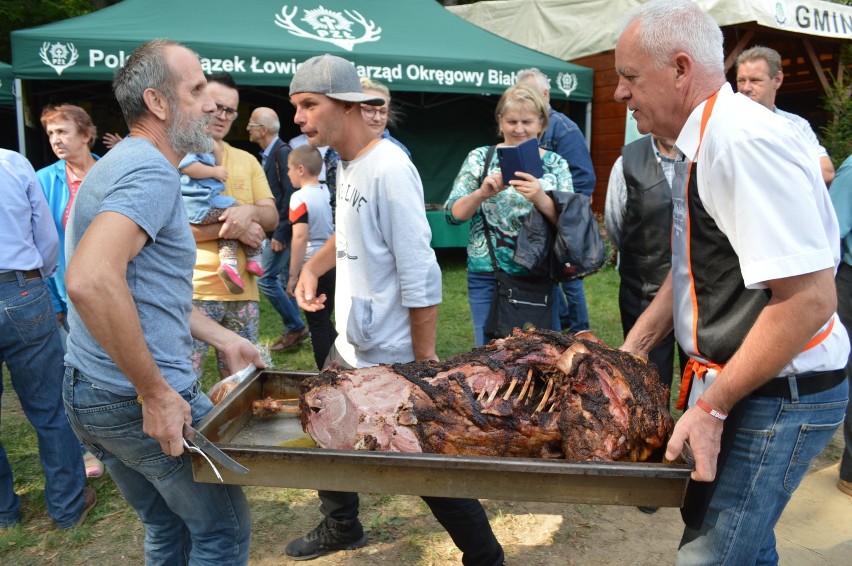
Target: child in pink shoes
<point>202,183</point>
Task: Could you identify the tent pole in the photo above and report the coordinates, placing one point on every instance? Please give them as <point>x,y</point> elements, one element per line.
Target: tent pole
<point>588,125</point>
<point>19,110</point>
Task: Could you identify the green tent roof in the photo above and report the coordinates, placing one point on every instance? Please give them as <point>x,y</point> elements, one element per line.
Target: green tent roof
<point>7,82</point>
<point>410,45</point>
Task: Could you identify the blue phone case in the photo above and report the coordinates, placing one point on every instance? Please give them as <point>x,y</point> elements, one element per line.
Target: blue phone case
<point>523,157</point>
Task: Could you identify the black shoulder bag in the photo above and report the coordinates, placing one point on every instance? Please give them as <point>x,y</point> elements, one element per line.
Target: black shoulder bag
<point>519,301</point>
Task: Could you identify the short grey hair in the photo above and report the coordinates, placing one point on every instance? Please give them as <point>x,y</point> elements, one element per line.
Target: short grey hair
<point>761,53</point>
<point>667,27</point>
<point>274,125</point>
<point>145,68</point>
<point>541,80</point>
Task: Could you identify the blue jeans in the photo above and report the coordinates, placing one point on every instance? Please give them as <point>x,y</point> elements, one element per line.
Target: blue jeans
<point>276,270</point>
<point>771,453</point>
<point>573,312</point>
<point>185,522</point>
<point>480,293</point>
<point>32,350</point>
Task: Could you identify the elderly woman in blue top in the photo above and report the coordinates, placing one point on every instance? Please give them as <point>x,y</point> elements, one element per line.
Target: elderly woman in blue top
<point>521,115</point>
<point>72,135</point>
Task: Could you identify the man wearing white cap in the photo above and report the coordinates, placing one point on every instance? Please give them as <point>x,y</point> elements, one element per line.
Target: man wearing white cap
<point>388,282</point>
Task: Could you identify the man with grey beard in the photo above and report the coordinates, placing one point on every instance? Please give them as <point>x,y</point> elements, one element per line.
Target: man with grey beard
<point>129,384</point>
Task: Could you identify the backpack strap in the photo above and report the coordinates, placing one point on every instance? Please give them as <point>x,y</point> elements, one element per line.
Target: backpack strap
<point>278,161</point>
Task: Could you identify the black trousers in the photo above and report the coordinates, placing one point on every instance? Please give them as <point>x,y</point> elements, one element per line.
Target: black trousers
<point>322,329</point>
<point>464,519</point>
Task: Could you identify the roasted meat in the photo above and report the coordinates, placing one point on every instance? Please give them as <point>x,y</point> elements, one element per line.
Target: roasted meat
<point>533,394</point>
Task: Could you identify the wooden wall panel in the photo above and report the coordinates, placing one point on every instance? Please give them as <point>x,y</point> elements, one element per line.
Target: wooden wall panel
<point>608,119</point>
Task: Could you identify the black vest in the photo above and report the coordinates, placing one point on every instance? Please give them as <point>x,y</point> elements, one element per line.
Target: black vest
<point>646,253</point>
<point>726,308</point>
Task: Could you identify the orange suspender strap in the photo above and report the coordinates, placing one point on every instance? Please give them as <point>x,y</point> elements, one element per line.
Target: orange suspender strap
<point>699,369</point>
<point>693,366</point>
<point>819,337</point>
<point>705,117</point>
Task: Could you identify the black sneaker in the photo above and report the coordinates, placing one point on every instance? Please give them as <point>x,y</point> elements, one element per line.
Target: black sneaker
<point>648,510</point>
<point>328,536</point>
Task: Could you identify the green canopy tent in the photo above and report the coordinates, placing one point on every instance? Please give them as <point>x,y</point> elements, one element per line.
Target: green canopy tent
<point>437,64</point>
<point>7,83</point>
<point>411,45</point>
<point>8,121</point>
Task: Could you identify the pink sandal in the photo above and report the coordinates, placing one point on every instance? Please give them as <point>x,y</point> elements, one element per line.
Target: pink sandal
<point>231,279</point>
<point>254,268</point>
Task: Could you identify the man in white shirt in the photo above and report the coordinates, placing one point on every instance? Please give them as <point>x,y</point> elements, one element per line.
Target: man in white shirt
<point>751,297</point>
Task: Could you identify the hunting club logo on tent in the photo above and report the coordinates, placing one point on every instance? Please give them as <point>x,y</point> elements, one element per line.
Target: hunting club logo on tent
<point>330,26</point>
<point>58,56</point>
<point>567,83</point>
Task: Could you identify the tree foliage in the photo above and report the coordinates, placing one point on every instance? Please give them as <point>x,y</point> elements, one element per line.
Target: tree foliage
<point>20,14</point>
<point>837,134</point>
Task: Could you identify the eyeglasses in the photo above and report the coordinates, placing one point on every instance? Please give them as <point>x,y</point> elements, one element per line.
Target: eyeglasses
<point>370,111</point>
<point>254,125</point>
<point>230,113</point>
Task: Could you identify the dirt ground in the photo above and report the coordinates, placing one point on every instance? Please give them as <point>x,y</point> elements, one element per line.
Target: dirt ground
<point>815,530</point>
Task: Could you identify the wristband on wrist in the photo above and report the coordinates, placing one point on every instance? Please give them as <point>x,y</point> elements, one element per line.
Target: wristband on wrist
<point>705,406</point>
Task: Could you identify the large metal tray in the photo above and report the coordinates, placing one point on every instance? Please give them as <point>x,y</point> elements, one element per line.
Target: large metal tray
<point>268,447</point>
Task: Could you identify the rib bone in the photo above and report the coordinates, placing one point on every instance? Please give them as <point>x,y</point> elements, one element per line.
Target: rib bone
<point>545,396</point>
<point>493,394</point>
<point>512,385</point>
<point>525,387</point>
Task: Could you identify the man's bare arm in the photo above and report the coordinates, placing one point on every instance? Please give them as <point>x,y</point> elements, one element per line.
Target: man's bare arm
<point>237,219</point>
<point>247,223</point>
<point>238,351</point>
<point>321,263</point>
<point>799,307</point>
<point>654,324</point>
<point>424,324</point>
<point>97,287</point>
<point>827,168</point>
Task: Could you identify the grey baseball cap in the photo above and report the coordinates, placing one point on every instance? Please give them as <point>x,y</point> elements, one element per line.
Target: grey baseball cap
<point>334,77</point>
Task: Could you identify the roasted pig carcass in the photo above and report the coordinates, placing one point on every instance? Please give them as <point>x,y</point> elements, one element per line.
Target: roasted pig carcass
<point>533,394</point>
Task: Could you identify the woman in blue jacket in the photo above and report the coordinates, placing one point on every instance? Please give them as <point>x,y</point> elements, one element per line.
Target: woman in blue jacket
<point>71,134</point>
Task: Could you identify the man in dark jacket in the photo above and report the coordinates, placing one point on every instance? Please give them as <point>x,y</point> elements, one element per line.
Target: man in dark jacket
<point>263,130</point>
<point>639,223</point>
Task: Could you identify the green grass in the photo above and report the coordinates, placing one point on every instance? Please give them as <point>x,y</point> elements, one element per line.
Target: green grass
<point>112,527</point>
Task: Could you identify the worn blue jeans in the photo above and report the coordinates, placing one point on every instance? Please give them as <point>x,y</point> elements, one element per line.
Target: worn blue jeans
<point>572,308</point>
<point>276,269</point>
<point>480,293</point>
<point>185,522</point>
<point>773,448</point>
<point>32,350</point>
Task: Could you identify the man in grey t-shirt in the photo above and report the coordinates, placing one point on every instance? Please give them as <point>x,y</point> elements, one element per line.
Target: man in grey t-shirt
<point>129,386</point>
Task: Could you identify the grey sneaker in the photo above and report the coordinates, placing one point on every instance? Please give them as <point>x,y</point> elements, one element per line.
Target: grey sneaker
<point>328,536</point>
